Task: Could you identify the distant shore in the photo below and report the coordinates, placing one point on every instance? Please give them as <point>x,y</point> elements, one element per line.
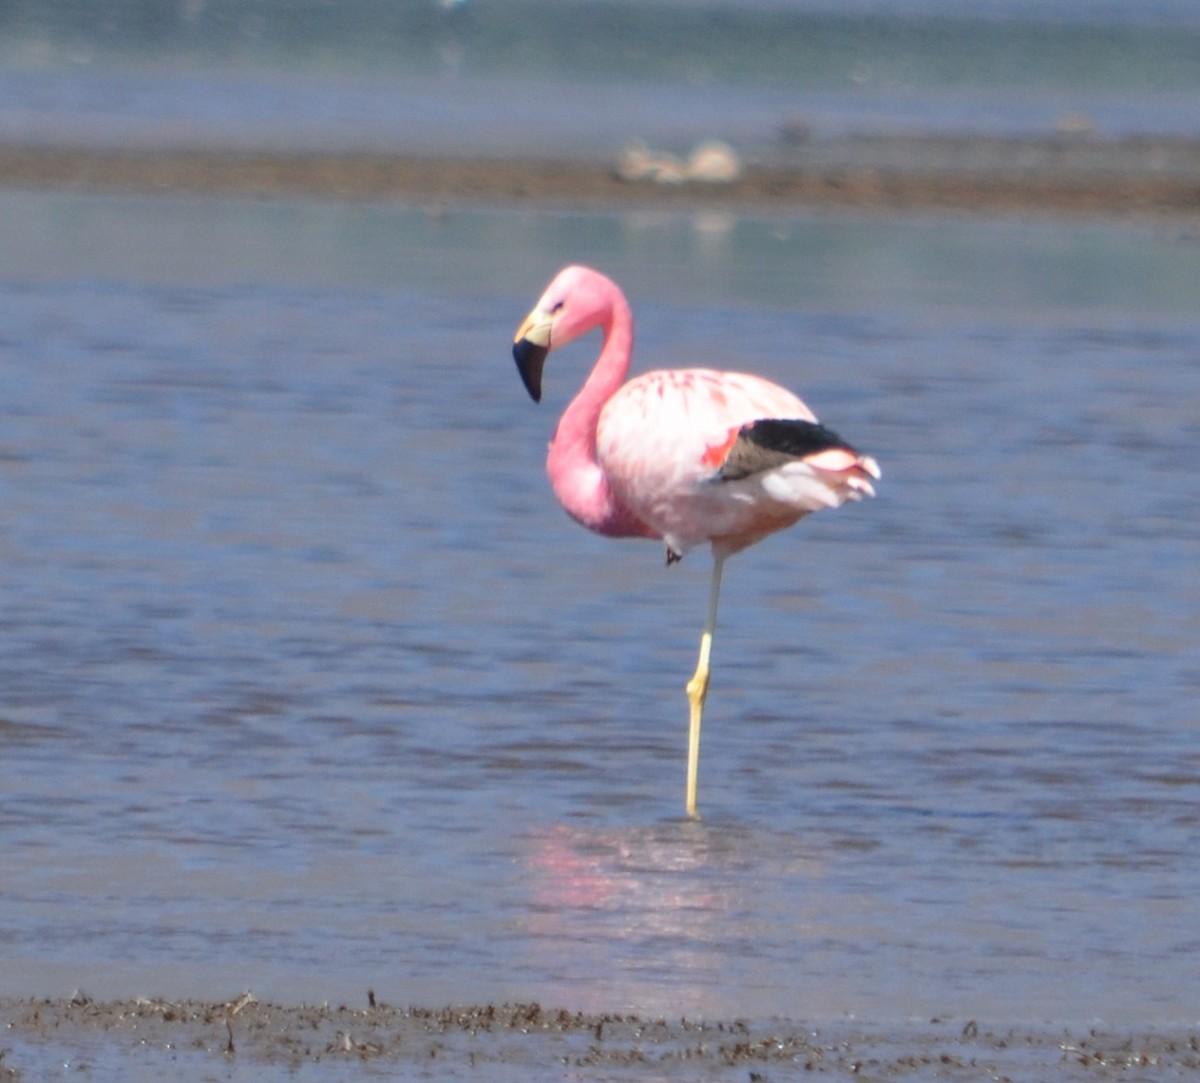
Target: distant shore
<point>1144,177</point>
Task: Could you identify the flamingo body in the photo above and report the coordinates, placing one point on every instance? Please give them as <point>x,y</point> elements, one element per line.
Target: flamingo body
<point>689,456</point>
<point>662,442</point>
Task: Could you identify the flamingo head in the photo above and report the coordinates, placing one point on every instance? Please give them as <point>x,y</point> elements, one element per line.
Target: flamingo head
<point>577,300</point>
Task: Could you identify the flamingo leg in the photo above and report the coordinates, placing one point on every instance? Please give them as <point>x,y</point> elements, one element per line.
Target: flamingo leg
<point>697,687</point>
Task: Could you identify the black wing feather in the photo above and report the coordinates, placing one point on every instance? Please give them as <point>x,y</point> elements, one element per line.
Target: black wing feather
<point>762,445</point>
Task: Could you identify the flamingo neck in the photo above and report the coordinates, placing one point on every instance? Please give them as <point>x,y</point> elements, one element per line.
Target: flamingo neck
<point>575,473</point>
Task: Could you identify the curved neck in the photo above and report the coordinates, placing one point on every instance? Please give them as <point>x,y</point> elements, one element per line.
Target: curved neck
<point>576,475</point>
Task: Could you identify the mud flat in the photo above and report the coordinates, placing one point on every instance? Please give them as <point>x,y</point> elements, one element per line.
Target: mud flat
<point>1134,176</point>
<point>497,1039</point>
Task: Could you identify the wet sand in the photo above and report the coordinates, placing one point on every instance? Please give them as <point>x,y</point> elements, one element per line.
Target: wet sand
<point>1130,177</point>
<point>508,1036</point>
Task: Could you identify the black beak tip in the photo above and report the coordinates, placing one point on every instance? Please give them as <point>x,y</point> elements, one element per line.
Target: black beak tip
<point>530,358</point>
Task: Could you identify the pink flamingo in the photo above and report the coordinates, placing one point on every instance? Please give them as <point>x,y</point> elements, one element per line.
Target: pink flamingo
<point>686,456</point>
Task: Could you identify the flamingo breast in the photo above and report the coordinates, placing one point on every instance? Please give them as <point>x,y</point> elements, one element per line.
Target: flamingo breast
<point>661,441</point>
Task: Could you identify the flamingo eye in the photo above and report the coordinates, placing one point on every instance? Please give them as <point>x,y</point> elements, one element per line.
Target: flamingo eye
<point>557,307</point>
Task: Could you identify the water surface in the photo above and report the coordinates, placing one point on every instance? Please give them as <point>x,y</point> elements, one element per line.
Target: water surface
<point>308,687</point>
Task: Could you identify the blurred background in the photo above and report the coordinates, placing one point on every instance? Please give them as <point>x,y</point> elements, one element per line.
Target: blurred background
<point>584,76</point>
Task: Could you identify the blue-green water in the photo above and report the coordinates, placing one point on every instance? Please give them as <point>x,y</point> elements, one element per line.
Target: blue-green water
<point>308,687</point>
<point>556,77</point>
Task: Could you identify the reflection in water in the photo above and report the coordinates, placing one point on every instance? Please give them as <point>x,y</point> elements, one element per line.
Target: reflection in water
<point>649,918</point>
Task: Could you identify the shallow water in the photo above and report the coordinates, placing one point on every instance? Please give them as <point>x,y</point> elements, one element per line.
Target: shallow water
<point>307,686</point>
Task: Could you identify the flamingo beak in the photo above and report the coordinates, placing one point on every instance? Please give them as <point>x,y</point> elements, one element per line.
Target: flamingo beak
<point>530,347</point>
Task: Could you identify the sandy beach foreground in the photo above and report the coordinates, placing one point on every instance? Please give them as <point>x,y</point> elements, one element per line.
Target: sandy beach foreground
<point>1135,177</point>
<point>509,1036</point>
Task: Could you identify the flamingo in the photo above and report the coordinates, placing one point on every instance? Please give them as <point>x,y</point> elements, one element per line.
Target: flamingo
<point>687,456</point>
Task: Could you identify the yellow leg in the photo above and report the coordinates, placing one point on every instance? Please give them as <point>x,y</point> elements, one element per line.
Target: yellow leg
<point>697,687</point>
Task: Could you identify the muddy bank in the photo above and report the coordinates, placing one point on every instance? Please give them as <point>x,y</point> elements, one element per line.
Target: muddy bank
<point>1145,177</point>
<point>507,1036</point>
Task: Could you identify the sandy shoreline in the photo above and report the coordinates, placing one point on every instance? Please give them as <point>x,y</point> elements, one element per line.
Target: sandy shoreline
<point>1134,177</point>
<point>507,1035</point>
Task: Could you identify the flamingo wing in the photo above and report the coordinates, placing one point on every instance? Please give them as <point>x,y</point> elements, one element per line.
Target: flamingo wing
<point>770,443</point>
